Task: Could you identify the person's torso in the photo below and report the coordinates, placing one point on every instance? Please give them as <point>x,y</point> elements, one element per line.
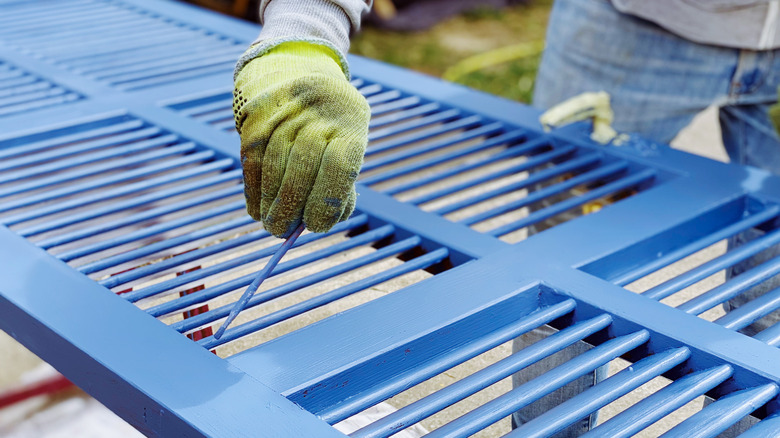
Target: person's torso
<point>744,24</point>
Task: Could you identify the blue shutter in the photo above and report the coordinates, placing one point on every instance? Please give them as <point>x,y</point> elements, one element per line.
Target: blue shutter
<point>124,241</point>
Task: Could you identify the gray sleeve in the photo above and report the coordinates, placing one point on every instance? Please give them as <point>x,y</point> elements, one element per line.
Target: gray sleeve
<point>325,22</point>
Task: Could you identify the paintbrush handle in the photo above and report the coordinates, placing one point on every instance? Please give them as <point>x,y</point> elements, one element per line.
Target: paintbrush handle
<point>259,279</point>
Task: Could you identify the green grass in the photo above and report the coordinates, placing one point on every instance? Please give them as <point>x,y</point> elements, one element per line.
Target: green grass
<point>475,32</point>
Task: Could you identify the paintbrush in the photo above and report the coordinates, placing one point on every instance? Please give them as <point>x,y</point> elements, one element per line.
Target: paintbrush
<point>259,279</point>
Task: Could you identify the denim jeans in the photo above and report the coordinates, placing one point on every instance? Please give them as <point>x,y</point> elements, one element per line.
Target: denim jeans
<point>658,83</point>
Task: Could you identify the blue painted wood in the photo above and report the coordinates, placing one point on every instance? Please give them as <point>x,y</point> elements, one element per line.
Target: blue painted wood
<point>533,390</point>
<point>22,91</point>
<point>405,170</point>
<point>725,412</point>
<point>242,302</point>
<point>694,275</point>
<point>585,178</point>
<point>127,190</point>
<point>122,375</point>
<point>767,427</point>
<point>447,360</point>
<point>154,230</point>
<point>770,336</point>
<point>611,389</point>
<point>421,262</point>
<point>43,182</point>
<point>676,243</point>
<point>461,389</point>
<point>224,266</point>
<point>115,124</point>
<point>409,153</point>
<point>536,178</point>
<point>137,218</point>
<point>534,161</point>
<point>660,404</point>
<point>731,288</point>
<point>752,311</point>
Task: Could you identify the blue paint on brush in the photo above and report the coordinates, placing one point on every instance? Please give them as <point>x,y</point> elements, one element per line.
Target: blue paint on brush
<point>261,276</point>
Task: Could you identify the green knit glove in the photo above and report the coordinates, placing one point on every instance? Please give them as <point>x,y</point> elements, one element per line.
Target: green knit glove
<point>304,130</point>
<point>774,112</point>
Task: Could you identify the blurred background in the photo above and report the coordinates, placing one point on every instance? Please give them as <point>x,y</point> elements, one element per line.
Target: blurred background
<point>491,45</point>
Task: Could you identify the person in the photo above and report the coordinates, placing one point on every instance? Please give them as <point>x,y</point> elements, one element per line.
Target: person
<point>663,62</point>
<point>304,128</point>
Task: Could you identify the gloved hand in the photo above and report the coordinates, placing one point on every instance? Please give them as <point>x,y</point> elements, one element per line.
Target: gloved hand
<point>592,105</point>
<point>304,130</point>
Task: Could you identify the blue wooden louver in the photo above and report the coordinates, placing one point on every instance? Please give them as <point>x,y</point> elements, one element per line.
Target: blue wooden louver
<point>22,91</point>
<point>124,241</point>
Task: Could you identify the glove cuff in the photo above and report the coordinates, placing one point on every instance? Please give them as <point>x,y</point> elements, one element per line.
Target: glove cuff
<point>264,47</point>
